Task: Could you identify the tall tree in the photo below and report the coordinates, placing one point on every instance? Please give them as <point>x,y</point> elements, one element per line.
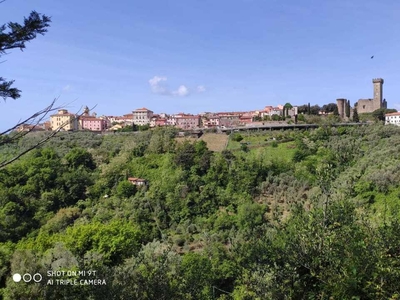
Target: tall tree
<point>286,108</point>
<point>330,107</point>
<point>347,109</point>
<point>355,116</point>
<point>336,111</point>
<point>14,35</point>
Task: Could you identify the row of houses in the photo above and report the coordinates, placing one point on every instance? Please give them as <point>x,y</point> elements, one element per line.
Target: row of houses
<point>143,116</point>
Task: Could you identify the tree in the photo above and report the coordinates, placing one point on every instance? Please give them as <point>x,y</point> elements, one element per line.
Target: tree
<point>244,147</point>
<point>315,109</point>
<point>329,108</point>
<point>379,114</point>
<point>286,108</point>
<point>125,189</point>
<point>16,37</point>
<point>336,111</point>
<point>302,109</point>
<point>347,109</point>
<point>355,116</point>
<point>12,36</point>
<point>80,157</point>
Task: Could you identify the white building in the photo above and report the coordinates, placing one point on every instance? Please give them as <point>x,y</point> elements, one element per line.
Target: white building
<point>142,116</point>
<point>393,118</point>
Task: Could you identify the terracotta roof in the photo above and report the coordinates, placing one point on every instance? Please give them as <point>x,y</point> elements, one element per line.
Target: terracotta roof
<point>393,114</point>
<point>136,179</point>
<point>142,109</point>
<point>66,114</point>
<point>188,117</point>
<point>91,119</point>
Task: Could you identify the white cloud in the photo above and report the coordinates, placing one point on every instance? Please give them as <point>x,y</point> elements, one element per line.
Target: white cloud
<point>66,88</point>
<point>181,92</point>
<point>201,89</point>
<point>157,87</point>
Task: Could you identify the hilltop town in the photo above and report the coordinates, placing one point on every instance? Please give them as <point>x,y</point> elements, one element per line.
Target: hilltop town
<point>88,120</point>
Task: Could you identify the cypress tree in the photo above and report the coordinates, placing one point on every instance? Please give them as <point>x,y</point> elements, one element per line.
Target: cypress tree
<point>355,116</point>
<point>347,109</point>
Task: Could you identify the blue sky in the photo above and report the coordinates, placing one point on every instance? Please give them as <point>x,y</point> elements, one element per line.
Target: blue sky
<point>202,55</point>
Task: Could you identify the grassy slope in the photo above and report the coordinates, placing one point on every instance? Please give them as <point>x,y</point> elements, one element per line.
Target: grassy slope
<point>215,142</point>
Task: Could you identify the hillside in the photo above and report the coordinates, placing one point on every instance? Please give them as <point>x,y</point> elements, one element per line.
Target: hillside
<point>215,142</point>
<point>291,215</point>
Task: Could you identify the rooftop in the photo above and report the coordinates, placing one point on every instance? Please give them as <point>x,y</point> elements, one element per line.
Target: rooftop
<point>393,114</point>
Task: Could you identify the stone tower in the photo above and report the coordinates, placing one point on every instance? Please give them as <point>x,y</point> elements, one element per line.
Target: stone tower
<point>378,92</point>
<point>341,106</point>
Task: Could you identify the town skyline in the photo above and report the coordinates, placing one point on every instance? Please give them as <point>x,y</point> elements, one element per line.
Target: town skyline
<point>194,57</point>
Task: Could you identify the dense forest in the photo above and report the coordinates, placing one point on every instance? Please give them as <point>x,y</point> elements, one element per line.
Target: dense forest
<point>297,215</point>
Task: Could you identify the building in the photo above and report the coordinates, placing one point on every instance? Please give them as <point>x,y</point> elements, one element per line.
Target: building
<point>245,120</point>
<point>142,116</point>
<point>210,121</point>
<point>65,120</point>
<point>393,118</point>
<point>161,122</point>
<point>276,111</point>
<point>293,111</point>
<point>153,120</point>
<point>93,124</point>
<point>188,122</point>
<point>370,105</point>
<point>29,127</point>
<point>138,181</point>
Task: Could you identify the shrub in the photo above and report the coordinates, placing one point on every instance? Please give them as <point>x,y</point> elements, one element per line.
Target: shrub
<point>237,137</point>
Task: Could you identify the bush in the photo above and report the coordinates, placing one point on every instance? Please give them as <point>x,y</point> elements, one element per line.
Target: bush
<point>244,147</point>
<point>237,137</point>
<point>125,189</point>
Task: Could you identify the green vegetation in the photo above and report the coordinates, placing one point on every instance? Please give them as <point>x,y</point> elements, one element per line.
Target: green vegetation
<point>290,215</point>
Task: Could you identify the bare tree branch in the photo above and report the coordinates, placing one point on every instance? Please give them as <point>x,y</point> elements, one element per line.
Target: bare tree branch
<point>18,136</point>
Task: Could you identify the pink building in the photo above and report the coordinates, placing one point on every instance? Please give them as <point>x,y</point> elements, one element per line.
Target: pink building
<point>188,122</point>
<point>245,119</point>
<point>93,124</point>
<point>161,122</point>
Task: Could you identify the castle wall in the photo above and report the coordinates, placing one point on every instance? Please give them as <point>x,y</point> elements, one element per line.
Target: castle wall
<point>370,105</point>
<point>366,106</point>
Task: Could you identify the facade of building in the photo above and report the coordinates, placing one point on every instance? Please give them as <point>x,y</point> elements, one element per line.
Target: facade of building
<point>64,119</point>
<point>293,111</point>
<point>161,122</point>
<point>210,121</point>
<point>93,124</point>
<point>393,118</point>
<point>188,122</point>
<point>138,181</point>
<point>245,119</point>
<point>276,111</point>
<point>142,116</point>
